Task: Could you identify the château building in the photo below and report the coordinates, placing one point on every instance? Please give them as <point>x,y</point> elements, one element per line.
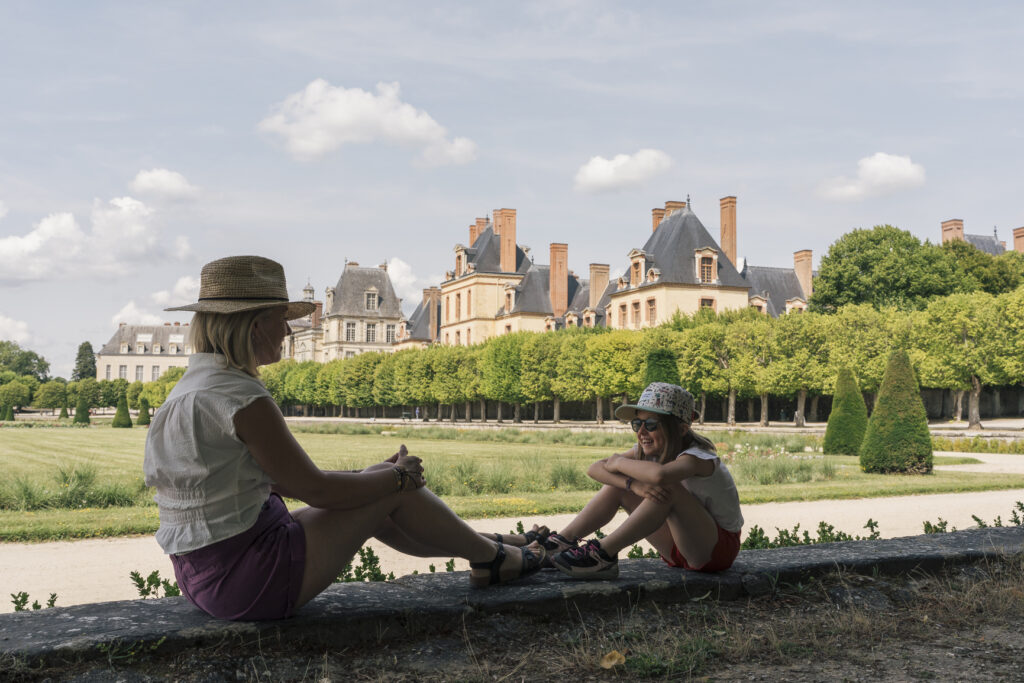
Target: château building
<point>142,353</point>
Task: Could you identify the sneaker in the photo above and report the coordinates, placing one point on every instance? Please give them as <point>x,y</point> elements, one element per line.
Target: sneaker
<point>554,544</point>
<point>587,561</point>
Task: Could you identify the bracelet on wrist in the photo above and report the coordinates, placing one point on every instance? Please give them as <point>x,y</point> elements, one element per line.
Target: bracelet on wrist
<point>401,477</point>
<point>629,484</point>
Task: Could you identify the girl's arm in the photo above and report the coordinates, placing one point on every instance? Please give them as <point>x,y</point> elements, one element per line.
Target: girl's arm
<point>599,471</point>
<point>682,467</point>
<point>262,428</point>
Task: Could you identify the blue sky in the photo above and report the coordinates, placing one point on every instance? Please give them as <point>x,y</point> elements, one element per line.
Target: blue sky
<point>138,141</point>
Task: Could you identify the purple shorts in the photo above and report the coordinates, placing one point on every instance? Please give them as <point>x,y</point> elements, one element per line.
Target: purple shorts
<point>252,576</point>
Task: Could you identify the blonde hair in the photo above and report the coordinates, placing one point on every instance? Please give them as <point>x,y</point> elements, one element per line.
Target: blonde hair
<point>230,335</point>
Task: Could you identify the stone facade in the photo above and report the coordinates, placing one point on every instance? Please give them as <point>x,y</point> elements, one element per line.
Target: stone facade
<point>143,352</point>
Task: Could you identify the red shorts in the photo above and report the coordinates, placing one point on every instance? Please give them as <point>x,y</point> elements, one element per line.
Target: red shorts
<point>722,557</point>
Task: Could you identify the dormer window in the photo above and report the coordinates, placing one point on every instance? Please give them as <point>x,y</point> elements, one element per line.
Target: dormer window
<point>759,303</point>
<point>588,319</point>
<point>637,267</point>
<point>706,262</point>
<point>156,348</point>
<point>795,305</point>
<point>571,320</point>
<point>172,348</point>
<point>140,348</point>
<point>508,302</point>
<point>621,283</point>
<point>371,301</point>
<point>653,274</point>
<point>124,347</point>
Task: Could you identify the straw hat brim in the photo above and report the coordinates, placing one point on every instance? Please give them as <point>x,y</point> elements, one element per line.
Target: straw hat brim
<point>295,309</point>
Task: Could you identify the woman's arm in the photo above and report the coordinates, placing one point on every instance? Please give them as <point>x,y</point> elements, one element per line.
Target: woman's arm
<point>262,428</point>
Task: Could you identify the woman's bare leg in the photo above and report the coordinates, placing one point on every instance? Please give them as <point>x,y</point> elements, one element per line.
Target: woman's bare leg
<point>334,536</point>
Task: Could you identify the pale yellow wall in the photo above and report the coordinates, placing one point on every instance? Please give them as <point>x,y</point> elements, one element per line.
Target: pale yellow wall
<point>487,295</point>
<point>131,360</point>
<point>670,298</point>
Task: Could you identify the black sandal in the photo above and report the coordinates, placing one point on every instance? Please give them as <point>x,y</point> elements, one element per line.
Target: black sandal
<point>540,534</point>
<point>531,564</point>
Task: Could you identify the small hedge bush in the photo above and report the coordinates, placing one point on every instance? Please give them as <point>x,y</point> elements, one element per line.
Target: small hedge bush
<point>849,417</point>
<point>82,411</point>
<point>143,411</point>
<point>897,437</point>
<point>122,419</point>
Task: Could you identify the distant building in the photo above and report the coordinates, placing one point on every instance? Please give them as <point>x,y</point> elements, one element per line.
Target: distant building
<point>423,327</point>
<point>359,314</point>
<point>953,229</point>
<point>143,352</point>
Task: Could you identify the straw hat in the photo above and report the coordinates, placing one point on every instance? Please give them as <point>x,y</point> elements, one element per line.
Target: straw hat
<point>661,398</point>
<point>244,283</point>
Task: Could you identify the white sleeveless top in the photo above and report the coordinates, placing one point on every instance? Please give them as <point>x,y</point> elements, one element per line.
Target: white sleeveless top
<point>208,486</point>
<point>716,492</point>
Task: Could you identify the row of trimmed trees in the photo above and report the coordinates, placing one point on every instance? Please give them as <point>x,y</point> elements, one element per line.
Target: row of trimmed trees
<point>960,343</point>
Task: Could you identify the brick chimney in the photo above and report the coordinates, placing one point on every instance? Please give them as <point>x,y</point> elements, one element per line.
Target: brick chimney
<point>728,227</point>
<point>657,215</point>
<point>1018,239</point>
<point>804,267</point>
<point>672,207</point>
<point>508,240</point>
<point>497,220</point>
<point>472,233</point>
<point>598,282</point>
<point>384,266</point>
<point>317,313</point>
<point>431,299</point>
<point>952,229</point>
<point>558,278</point>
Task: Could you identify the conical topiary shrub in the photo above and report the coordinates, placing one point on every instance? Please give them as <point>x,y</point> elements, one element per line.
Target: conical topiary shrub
<point>3,413</point>
<point>63,410</point>
<point>897,437</point>
<point>661,366</point>
<point>143,411</point>
<point>121,417</point>
<point>848,419</point>
<point>82,411</point>
<point>10,414</point>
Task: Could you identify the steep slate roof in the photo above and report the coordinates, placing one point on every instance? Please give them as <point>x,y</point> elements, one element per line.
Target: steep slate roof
<point>987,243</point>
<point>418,324</point>
<point>777,285</point>
<point>485,253</point>
<point>671,247</point>
<point>349,293</point>
<point>161,335</point>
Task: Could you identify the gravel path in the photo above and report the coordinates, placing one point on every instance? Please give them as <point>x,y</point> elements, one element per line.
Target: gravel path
<point>97,570</point>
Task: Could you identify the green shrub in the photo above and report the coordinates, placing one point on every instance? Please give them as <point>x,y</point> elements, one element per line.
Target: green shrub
<point>849,417</point>
<point>661,367</point>
<point>3,413</point>
<point>122,419</point>
<point>897,437</point>
<point>63,411</point>
<point>82,410</point>
<point>143,411</point>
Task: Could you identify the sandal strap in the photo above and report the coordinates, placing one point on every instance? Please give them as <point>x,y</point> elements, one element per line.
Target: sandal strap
<point>494,566</point>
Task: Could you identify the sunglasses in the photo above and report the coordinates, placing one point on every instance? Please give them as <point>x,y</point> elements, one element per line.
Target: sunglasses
<point>650,424</point>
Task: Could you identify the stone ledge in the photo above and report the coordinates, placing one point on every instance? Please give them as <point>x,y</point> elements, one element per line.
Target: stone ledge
<point>361,612</point>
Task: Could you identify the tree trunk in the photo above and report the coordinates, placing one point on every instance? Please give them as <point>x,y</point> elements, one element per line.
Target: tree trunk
<point>558,410</point>
<point>469,411</point>
<point>813,414</point>
<point>517,412</point>
<point>499,412</point>
<point>453,414</point>
<point>600,410</point>
<point>801,398</point>
<point>732,408</point>
<point>725,408</point>
<point>750,410</point>
<point>536,412</point>
<point>997,404</point>
<point>764,410</point>
<point>703,407</point>
<point>974,406</point>
<point>483,410</point>
<point>625,399</point>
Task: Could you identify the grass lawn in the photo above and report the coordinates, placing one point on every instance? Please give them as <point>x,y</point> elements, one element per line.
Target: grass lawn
<point>478,479</point>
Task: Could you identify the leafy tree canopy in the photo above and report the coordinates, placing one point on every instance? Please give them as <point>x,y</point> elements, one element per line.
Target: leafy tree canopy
<point>85,362</point>
<point>23,362</point>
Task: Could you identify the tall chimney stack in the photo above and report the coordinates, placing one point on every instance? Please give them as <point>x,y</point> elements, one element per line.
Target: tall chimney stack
<point>657,215</point>
<point>1018,239</point>
<point>431,299</point>
<point>598,282</point>
<point>952,229</point>
<point>472,233</point>
<point>728,241</point>
<point>803,265</point>
<point>497,220</point>
<point>317,313</point>
<point>558,278</point>
<point>672,207</point>
<point>508,240</point>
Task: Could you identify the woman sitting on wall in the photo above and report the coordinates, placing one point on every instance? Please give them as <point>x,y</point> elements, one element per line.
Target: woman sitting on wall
<point>220,456</point>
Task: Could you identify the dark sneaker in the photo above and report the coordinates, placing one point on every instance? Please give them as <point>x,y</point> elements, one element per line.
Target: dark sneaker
<point>587,561</point>
<point>553,544</point>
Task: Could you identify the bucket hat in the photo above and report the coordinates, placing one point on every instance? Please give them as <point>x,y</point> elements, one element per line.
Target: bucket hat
<point>244,283</point>
<point>661,398</point>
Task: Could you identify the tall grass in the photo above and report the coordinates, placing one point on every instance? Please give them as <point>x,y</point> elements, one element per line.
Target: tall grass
<point>74,487</point>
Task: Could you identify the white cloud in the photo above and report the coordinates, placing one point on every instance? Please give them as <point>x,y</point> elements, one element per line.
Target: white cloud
<point>163,184</point>
<point>133,315</point>
<point>622,171</point>
<point>322,117</point>
<point>185,291</point>
<point>408,286</point>
<point>121,238</point>
<point>13,330</point>
<point>878,174</point>
<point>182,247</point>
